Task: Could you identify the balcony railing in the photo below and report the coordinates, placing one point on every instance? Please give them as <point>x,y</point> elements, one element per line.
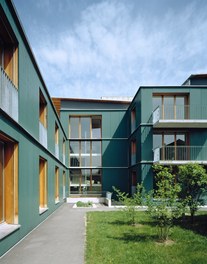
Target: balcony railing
<point>180,112</point>
<point>8,96</point>
<point>64,159</point>
<point>42,135</point>
<point>57,151</point>
<point>180,153</point>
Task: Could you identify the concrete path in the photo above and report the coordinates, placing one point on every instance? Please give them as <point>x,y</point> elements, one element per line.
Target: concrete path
<point>58,240</point>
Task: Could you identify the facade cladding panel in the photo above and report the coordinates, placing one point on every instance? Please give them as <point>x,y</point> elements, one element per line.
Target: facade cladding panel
<point>56,148</point>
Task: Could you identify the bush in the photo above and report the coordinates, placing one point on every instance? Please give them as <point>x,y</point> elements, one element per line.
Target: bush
<point>82,204</point>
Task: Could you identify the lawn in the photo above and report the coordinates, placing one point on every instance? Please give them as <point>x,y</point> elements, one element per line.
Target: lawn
<point>110,239</point>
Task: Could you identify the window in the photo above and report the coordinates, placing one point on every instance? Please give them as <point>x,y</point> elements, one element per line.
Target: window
<point>85,127</point>
<point>133,152</point>
<point>42,185</point>
<point>8,49</point>
<point>8,181</point>
<point>42,110</point>
<point>172,106</point>
<point>173,146</point>
<point>64,184</point>
<point>85,153</point>
<point>85,181</point>
<point>56,141</point>
<point>57,198</point>
<point>133,119</point>
<point>63,151</point>
<point>42,120</point>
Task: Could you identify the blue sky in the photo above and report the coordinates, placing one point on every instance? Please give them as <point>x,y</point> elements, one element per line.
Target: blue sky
<point>94,48</point>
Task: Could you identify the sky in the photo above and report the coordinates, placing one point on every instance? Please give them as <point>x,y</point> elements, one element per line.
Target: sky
<point>95,48</point>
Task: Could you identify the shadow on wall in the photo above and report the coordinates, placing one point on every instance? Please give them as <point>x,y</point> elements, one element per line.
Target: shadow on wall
<point>115,151</point>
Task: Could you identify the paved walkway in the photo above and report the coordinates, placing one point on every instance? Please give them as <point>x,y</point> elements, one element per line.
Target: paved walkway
<point>58,240</point>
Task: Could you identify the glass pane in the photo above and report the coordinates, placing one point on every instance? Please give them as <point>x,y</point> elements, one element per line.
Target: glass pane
<point>85,147</point>
<point>86,177</point>
<point>85,127</point>
<point>85,160</point>
<point>181,150</point>
<point>96,160</point>
<point>74,147</point>
<point>74,160</point>
<point>180,107</point>
<point>169,140</point>
<point>168,108</point>
<point>169,149</point>
<point>96,180</point>
<point>75,177</point>
<point>96,127</point>
<point>1,182</point>
<point>157,101</point>
<point>96,147</point>
<point>74,127</point>
<point>180,140</point>
<point>157,141</point>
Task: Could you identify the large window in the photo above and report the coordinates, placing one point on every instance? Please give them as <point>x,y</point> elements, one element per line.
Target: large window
<point>42,185</point>
<point>85,153</point>
<point>85,127</point>
<point>172,145</point>
<point>171,106</point>
<point>8,50</point>
<point>8,181</point>
<point>85,181</point>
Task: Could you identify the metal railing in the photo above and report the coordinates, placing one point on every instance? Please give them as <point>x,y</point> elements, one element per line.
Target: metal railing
<point>64,159</point>
<point>42,134</point>
<point>57,151</point>
<point>8,96</point>
<point>180,153</point>
<point>180,112</point>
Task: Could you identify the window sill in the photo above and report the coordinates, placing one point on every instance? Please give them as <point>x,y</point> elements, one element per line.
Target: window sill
<point>7,229</point>
<point>42,210</point>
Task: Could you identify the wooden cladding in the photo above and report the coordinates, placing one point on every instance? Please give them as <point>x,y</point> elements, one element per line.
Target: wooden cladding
<point>9,49</point>
<point>42,183</point>
<point>42,109</point>
<point>57,104</point>
<point>8,181</point>
<point>56,184</point>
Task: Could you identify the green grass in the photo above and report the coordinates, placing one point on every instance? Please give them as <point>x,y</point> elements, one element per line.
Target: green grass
<point>111,240</point>
<point>82,204</point>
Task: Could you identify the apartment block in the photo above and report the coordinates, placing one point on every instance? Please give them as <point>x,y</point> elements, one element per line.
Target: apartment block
<point>55,148</point>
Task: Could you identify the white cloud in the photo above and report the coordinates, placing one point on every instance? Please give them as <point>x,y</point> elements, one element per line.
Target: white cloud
<point>111,52</point>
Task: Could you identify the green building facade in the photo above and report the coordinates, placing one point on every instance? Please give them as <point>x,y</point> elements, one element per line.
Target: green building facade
<point>55,148</point>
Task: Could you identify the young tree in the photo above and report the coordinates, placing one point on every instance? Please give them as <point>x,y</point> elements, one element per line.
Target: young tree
<point>193,180</point>
<point>131,202</point>
<point>165,205</point>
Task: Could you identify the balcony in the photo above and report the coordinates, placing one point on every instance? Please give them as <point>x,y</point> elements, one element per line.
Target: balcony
<point>64,159</point>
<point>8,96</point>
<point>180,154</point>
<point>180,116</point>
<point>57,151</point>
<point>43,135</point>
